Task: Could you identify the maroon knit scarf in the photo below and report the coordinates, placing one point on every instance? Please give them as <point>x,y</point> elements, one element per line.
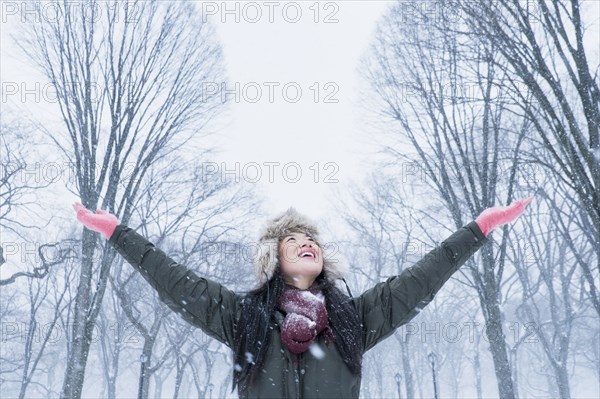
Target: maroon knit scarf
<point>306,317</point>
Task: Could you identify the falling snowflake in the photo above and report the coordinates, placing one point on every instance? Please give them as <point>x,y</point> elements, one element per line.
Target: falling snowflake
<point>316,351</point>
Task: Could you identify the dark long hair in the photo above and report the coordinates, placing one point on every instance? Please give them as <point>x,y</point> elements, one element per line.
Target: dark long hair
<point>253,334</point>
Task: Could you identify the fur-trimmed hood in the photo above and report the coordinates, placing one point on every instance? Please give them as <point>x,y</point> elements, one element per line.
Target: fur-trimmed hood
<point>275,229</point>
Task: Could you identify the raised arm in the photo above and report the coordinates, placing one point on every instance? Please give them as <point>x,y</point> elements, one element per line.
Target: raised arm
<point>394,302</point>
<point>202,302</point>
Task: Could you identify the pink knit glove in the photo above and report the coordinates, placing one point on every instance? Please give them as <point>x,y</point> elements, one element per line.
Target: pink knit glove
<point>499,215</point>
<point>101,221</point>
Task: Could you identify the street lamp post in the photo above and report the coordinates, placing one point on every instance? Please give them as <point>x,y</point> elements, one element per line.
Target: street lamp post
<point>432,358</point>
<point>398,378</point>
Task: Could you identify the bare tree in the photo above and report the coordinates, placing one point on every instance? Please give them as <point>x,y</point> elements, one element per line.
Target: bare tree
<point>438,91</point>
<point>544,46</point>
<point>388,234</point>
<point>188,215</point>
<point>19,184</point>
<point>47,303</point>
<point>548,274</point>
<point>114,343</point>
<point>40,304</point>
<point>385,240</point>
<point>200,368</point>
<point>40,271</point>
<point>128,80</point>
<point>381,232</point>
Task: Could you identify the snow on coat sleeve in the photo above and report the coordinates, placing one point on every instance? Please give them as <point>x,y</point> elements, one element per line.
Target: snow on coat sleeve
<point>203,303</point>
<point>394,302</point>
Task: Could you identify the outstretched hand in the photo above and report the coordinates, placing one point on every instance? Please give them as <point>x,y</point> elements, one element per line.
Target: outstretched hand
<point>499,215</point>
<point>101,221</point>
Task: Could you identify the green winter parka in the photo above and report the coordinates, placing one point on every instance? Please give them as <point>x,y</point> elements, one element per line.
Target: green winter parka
<point>382,309</point>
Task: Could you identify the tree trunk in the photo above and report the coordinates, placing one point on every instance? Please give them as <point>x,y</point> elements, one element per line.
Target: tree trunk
<point>81,331</point>
<point>477,366</point>
<point>493,319</point>
<point>408,375</point>
<point>178,379</point>
<point>145,373</point>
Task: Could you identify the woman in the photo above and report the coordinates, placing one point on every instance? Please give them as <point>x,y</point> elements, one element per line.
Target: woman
<point>297,335</point>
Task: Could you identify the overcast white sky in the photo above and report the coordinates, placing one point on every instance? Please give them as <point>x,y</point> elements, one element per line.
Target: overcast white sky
<point>320,58</point>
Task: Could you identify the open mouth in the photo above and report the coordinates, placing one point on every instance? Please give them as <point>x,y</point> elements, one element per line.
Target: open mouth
<point>308,254</point>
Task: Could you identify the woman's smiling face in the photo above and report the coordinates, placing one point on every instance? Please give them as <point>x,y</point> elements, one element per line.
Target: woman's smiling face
<point>301,259</point>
